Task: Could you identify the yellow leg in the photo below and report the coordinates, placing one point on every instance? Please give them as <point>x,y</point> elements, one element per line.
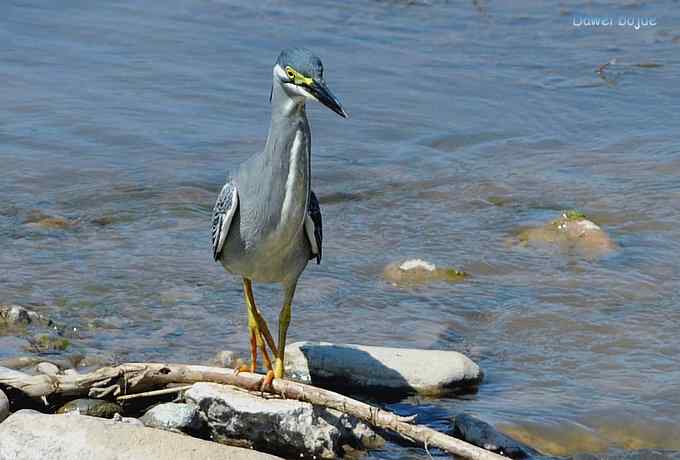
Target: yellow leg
<point>259,323</point>
<point>284,321</point>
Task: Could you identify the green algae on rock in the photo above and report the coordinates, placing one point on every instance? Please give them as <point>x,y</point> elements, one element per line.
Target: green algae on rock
<point>571,231</point>
<point>418,271</point>
<point>92,407</point>
<point>47,343</point>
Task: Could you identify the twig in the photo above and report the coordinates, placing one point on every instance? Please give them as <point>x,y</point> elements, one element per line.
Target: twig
<point>146,394</point>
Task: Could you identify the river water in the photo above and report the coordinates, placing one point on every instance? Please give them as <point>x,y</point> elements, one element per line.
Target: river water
<point>469,121</point>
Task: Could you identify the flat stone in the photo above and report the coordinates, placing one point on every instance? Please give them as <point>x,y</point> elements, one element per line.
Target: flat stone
<point>4,406</point>
<point>47,368</point>
<point>27,435</point>
<point>380,368</point>
<point>173,417</point>
<point>481,434</point>
<point>287,427</point>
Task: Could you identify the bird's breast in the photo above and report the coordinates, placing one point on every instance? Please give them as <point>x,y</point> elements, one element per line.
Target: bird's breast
<point>283,209</point>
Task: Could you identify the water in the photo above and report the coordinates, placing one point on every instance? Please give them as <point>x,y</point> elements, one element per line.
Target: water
<point>469,121</point>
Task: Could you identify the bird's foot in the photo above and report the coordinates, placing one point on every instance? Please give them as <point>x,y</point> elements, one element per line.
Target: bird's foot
<point>267,381</point>
<point>244,368</point>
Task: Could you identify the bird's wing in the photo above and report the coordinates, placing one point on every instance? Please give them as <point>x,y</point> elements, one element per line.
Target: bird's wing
<point>313,227</point>
<point>223,213</point>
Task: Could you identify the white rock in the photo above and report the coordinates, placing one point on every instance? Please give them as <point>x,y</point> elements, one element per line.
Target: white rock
<point>173,417</point>
<point>292,428</point>
<point>417,263</point>
<point>27,435</point>
<point>4,406</point>
<point>364,367</point>
<point>47,368</point>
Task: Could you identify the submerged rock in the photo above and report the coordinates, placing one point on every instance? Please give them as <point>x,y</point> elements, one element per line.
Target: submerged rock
<point>291,428</point>
<point>640,454</point>
<point>4,406</point>
<point>482,434</point>
<point>7,373</point>
<point>13,315</point>
<point>418,271</point>
<point>365,368</point>
<point>47,343</point>
<point>173,417</point>
<point>38,219</point>
<point>92,407</point>
<point>571,231</point>
<point>28,435</point>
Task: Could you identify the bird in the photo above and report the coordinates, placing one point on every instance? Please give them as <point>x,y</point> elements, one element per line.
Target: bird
<point>266,222</point>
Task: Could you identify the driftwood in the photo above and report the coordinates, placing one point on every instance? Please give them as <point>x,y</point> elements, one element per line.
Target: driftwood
<point>138,377</point>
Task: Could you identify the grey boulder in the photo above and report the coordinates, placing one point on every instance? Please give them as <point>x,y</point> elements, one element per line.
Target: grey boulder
<point>28,435</point>
<point>483,435</point>
<point>380,368</point>
<point>173,417</point>
<point>291,428</point>
<point>4,406</point>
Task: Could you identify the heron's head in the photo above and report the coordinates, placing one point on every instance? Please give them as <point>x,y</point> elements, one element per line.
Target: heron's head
<point>300,74</point>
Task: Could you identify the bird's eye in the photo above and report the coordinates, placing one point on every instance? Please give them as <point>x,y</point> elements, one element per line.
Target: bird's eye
<point>290,72</point>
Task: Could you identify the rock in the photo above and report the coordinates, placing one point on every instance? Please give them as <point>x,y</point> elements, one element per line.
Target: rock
<point>16,314</point>
<point>71,372</point>
<point>482,434</point>
<point>20,362</point>
<point>291,428</point>
<point>174,417</point>
<point>4,406</point>
<point>7,373</point>
<point>91,407</point>
<point>27,435</point>
<point>572,231</point>
<point>640,454</point>
<point>47,368</point>
<point>127,420</point>
<point>47,343</point>
<point>38,219</point>
<point>417,271</point>
<point>400,370</point>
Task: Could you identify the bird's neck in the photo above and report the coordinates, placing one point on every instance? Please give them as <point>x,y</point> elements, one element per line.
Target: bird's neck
<point>289,120</point>
<point>286,107</point>
<point>287,159</point>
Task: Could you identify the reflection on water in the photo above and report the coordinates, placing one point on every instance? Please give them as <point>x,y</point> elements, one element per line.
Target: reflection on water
<point>469,122</point>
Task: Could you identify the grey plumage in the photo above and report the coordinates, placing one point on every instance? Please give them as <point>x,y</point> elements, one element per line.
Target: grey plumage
<point>266,221</point>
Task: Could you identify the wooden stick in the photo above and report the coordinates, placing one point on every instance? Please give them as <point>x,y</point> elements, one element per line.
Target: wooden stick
<point>146,394</point>
<point>120,380</point>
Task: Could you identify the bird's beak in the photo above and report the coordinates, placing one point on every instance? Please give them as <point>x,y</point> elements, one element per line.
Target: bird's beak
<point>321,92</point>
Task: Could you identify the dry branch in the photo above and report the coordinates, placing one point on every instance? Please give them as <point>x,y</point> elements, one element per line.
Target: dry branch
<point>138,377</point>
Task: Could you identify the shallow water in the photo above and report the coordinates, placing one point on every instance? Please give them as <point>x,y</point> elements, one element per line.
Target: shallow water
<point>469,122</point>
